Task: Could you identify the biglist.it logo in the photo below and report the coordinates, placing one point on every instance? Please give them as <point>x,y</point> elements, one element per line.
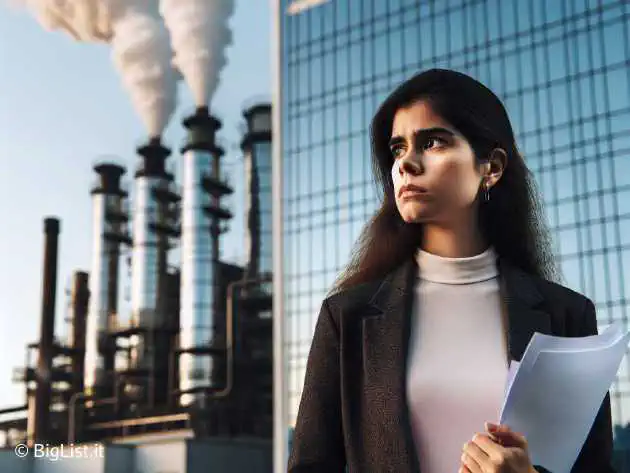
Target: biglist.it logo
<point>55,452</point>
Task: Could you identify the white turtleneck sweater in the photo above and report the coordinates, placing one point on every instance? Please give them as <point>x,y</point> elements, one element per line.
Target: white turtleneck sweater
<point>457,364</point>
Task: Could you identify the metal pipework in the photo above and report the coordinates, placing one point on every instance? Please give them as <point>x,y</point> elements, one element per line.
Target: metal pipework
<point>46,339</point>
<point>80,298</point>
<point>108,231</point>
<point>158,419</point>
<point>72,408</point>
<point>229,327</point>
<point>229,339</point>
<point>198,255</point>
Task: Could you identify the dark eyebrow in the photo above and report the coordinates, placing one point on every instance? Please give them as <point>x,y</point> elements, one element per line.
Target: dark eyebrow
<point>422,133</point>
<point>396,140</point>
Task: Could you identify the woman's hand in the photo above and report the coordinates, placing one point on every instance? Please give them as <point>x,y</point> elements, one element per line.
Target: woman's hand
<point>499,451</point>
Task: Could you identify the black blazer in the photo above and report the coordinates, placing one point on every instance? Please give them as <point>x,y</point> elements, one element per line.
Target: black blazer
<point>353,410</point>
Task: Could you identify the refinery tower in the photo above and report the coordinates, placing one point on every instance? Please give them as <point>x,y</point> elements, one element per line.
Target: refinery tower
<point>190,359</point>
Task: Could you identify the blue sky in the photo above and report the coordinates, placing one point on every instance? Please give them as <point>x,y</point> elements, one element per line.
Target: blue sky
<point>62,108</point>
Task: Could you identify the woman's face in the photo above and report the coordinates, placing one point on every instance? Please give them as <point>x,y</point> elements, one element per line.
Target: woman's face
<point>435,158</point>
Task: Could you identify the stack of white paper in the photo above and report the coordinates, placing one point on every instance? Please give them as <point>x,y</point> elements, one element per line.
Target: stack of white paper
<point>554,393</point>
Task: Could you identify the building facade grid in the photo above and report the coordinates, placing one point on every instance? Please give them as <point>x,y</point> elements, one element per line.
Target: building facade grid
<point>562,70</point>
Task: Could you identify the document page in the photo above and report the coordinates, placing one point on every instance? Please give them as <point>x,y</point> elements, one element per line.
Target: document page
<point>555,392</point>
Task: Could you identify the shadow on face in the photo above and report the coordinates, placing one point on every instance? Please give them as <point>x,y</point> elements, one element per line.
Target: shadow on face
<point>437,162</point>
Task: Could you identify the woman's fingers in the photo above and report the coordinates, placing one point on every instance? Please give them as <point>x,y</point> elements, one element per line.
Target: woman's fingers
<point>506,436</point>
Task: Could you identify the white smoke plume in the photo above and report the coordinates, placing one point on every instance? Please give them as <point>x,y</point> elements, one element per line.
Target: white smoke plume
<point>141,49</point>
<point>83,20</point>
<point>200,35</point>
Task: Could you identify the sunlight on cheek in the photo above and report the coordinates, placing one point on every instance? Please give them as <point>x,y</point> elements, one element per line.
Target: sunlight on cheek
<point>396,177</point>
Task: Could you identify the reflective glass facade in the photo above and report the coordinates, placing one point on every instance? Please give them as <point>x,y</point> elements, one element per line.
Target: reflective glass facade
<point>561,68</point>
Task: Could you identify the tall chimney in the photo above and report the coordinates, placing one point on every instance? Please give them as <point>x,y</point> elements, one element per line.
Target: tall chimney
<point>80,300</point>
<point>109,219</point>
<point>149,252</point>
<point>200,217</point>
<point>46,334</point>
<point>256,146</point>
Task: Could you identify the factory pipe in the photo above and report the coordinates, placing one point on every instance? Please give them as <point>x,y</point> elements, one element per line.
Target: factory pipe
<point>108,232</point>
<point>47,328</point>
<point>149,259</point>
<point>72,407</point>
<point>71,415</point>
<point>229,326</point>
<point>229,338</point>
<point>80,299</point>
<point>150,175</point>
<point>142,421</point>
<point>256,146</point>
<point>199,254</point>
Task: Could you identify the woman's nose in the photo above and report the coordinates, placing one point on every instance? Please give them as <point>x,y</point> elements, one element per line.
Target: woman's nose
<point>411,164</point>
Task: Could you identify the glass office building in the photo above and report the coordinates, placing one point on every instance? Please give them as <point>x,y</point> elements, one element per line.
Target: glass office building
<point>562,69</point>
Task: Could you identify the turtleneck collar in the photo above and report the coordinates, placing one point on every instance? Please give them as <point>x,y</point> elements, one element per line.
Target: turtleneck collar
<point>466,270</point>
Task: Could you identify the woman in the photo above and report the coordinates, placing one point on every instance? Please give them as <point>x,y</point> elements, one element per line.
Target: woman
<point>449,281</point>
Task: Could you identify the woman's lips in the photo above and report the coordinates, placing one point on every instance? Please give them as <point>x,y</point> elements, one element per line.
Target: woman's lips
<point>407,195</point>
<point>410,188</point>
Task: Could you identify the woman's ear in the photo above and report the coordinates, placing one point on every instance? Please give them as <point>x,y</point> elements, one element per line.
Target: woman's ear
<point>498,159</point>
<point>495,166</point>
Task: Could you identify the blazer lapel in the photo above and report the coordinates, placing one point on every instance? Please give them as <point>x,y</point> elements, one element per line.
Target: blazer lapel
<point>394,298</point>
<point>524,317</point>
<point>387,327</point>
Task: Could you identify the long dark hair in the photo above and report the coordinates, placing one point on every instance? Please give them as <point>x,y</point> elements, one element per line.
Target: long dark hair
<point>513,221</point>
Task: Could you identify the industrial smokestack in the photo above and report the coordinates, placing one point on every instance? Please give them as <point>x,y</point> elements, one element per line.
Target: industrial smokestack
<point>149,249</point>
<point>141,49</point>
<point>200,251</point>
<point>200,35</point>
<point>109,219</point>
<point>80,300</point>
<point>256,146</point>
<point>46,334</point>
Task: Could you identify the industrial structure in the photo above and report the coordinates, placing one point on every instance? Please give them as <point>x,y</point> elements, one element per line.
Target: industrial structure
<point>192,358</point>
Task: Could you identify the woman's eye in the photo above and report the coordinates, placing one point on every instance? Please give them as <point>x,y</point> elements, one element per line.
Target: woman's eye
<point>432,142</point>
<point>397,151</point>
